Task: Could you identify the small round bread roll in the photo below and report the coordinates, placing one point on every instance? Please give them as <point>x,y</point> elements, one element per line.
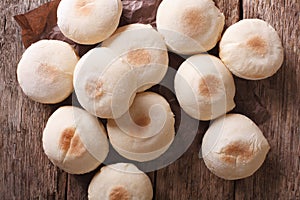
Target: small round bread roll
<point>190,26</point>
<point>204,87</point>
<point>251,49</point>
<point>88,21</point>
<point>104,84</point>
<point>121,181</point>
<point>145,51</point>
<point>146,131</point>
<point>74,140</point>
<point>234,147</point>
<point>45,71</point>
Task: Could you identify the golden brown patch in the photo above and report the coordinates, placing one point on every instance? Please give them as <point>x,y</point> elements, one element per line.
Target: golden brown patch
<point>119,193</point>
<point>66,137</point>
<point>258,45</point>
<point>138,57</point>
<point>94,88</point>
<point>84,7</point>
<point>193,22</point>
<point>76,147</point>
<point>209,85</point>
<point>48,73</point>
<point>236,150</point>
<point>70,143</point>
<point>142,121</point>
<point>229,159</point>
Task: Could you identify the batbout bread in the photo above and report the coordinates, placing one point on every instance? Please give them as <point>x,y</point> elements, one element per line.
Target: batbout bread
<point>121,181</point>
<point>88,21</point>
<point>146,131</point>
<point>104,84</point>
<point>234,147</point>
<point>204,87</point>
<point>252,49</point>
<point>190,26</point>
<point>74,140</point>
<point>45,71</point>
<point>145,51</point>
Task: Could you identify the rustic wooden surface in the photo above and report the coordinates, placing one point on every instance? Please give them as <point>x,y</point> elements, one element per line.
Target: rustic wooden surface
<point>26,173</point>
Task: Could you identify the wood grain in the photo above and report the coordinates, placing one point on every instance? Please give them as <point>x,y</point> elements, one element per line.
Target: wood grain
<point>279,177</point>
<point>188,178</point>
<point>25,170</point>
<point>26,173</point>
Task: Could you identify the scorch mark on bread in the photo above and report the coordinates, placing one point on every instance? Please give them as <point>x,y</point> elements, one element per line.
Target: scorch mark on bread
<point>237,150</point>
<point>119,193</point>
<point>209,85</point>
<point>193,22</point>
<point>70,142</point>
<point>258,45</point>
<point>142,121</point>
<point>94,88</point>
<point>138,57</point>
<point>48,73</point>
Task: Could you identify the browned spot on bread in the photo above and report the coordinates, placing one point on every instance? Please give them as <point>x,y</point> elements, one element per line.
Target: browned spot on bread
<point>193,22</point>
<point>76,147</point>
<point>229,159</point>
<point>258,45</point>
<point>142,121</point>
<point>66,137</point>
<point>70,143</point>
<point>138,57</point>
<point>241,150</point>
<point>48,73</point>
<point>119,193</point>
<point>209,86</point>
<point>94,88</point>
<point>84,7</point>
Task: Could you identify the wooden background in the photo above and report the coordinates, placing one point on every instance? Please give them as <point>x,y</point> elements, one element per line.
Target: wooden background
<point>26,173</point>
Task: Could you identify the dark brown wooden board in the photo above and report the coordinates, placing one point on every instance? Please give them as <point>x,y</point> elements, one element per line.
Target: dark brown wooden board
<point>188,178</point>
<point>26,173</point>
<point>279,177</point>
<point>25,170</point>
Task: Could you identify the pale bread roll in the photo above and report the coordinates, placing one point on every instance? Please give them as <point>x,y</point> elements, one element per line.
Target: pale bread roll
<point>74,140</point>
<point>145,51</point>
<point>204,87</point>
<point>121,181</point>
<point>146,131</point>
<point>190,26</point>
<point>88,21</point>
<point>45,71</point>
<point>252,49</point>
<point>104,84</point>
<point>234,147</point>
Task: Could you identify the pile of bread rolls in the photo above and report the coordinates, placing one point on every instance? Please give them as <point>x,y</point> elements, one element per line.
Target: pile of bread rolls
<point>110,82</point>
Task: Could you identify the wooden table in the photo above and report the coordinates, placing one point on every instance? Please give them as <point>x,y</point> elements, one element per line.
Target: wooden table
<point>26,173</point>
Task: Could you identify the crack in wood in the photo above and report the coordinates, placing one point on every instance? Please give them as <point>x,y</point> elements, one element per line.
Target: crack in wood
<point>66,186</point>
<point>4,25</point>
<point>241,9</point>
<point>154,184</point>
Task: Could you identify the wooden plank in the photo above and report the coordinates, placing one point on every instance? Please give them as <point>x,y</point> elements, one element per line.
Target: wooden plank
<point>27,173</point>
<point>78,185</point>
<point>25,170</point>
<point>279,177</point>
<point>231,10</point>
<point>188,177</point>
